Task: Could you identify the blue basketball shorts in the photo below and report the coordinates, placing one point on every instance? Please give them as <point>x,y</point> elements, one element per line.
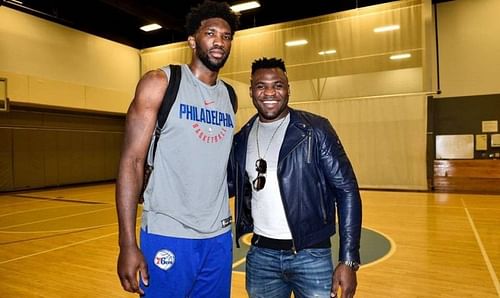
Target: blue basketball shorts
<point>180,268</point>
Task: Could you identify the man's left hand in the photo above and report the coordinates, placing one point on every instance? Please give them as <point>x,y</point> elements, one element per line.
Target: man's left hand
<point>344,278</point>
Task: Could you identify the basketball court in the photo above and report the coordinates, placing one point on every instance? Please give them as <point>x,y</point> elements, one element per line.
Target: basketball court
<point>63,243</point>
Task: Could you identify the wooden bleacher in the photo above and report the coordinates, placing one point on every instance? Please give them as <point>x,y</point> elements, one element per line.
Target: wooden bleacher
<point>468,176</point>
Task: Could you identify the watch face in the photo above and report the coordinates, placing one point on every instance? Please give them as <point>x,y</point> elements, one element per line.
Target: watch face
<point>351,264</point>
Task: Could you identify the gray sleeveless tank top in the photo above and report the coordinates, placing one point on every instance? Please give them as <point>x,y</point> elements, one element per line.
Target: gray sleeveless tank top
<point>187,195</point>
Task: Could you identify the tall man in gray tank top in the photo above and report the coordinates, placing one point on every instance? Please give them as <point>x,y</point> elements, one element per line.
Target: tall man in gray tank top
<point>185,234</point>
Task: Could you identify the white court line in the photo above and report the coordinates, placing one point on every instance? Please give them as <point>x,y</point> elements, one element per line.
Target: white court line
<point>54,218</point>
<point>389,254</point>
<point>31,210</point>
<point>59,247</point>
<point>93,269</point>
<point>56,248</point>
<point>491,270</point>
<point>59,231</point>
<point>239,262</point>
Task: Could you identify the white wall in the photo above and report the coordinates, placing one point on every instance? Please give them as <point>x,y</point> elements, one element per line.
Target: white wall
<point>469,47</point>
<point>50,64</point>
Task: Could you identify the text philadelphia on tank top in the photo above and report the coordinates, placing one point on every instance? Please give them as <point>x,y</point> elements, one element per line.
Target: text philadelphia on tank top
<point>187,195</point>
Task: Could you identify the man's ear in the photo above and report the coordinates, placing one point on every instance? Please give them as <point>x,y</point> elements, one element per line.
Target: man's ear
<point>191,42</point>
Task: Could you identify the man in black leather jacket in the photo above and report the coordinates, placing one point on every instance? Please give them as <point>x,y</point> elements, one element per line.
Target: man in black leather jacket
<point>290,175</point>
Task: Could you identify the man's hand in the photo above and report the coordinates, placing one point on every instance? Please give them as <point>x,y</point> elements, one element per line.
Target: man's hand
<point>130,263</point>
<point>345,278</point>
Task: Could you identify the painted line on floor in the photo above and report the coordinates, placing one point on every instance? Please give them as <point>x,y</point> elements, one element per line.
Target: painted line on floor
<point>56,248</point>
<point>487,260</point>
<point>55,218</point>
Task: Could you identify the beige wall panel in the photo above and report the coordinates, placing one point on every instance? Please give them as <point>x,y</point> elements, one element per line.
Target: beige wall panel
<point>51,157</point>
<point>385,138</point>
<point>56,93</point>
<point>469,47</point>
<point>38,48</point>
<point>17,86</point>
<point>250,44</point>
<point>361,62</point>
<point>106,100</point>
<point>398,81</point>
<point>242,91</point>
<point>156,57</point>
<point>6,162</point>
<point>406,80</point>
<point>29,168</point>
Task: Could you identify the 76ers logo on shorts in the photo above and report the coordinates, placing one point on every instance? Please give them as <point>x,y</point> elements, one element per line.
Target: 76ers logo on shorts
<point>164,259</point>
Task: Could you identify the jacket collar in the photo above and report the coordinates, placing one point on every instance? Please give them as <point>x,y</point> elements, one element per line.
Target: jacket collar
<point>296,132</point>
<point>296,119</point>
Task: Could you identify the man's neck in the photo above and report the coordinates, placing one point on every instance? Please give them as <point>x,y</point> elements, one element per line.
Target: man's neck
<point>202,73</point>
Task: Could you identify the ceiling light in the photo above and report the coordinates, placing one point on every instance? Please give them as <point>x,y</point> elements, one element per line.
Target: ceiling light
<point>327,52</point>
<point>150,27</point>
<point>293,43</point>
<point>386,28</point>
<point>245,6</point>
<point>400,56</point>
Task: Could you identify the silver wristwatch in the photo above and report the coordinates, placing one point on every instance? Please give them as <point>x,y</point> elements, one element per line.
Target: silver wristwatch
<point>351,264</point>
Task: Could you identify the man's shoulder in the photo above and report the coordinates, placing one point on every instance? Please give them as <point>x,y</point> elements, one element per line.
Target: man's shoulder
<point>154,76</point>
<point>151,88</point>
<point>246,127</point>
<point>308,117</point>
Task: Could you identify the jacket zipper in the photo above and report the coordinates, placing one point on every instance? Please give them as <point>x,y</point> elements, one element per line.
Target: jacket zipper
<point>294,249</point>
<point>309,146</point>
<point>323,211</point>
<point>309,159</point>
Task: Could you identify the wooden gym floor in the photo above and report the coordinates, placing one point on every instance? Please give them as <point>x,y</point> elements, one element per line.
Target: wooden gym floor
<point>63,243</point>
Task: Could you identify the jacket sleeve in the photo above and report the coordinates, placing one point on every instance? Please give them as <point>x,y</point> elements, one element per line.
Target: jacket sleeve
<point>342,181</point>
<point>231,174</point>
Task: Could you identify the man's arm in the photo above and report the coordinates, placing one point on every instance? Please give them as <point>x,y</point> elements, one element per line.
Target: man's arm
<point>342,179</point>
<point>139,126</point>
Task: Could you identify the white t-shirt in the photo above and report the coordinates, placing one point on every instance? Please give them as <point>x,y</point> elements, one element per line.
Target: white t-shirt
<point>267,206</point>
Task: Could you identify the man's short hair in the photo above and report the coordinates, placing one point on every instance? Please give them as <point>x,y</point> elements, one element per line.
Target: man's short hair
<point>268,63</point>
<point>211,9</point>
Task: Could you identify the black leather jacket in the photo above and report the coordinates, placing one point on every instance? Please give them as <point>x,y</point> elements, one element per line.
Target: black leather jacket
<point>315,177</point>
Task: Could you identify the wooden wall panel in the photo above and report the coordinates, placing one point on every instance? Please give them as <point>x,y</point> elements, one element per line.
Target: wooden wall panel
<point>51,157</point>
<point>42,147</point>
<point>71,157</point>
<point>93,156</point>
<point>29,170</point>
<point>6,174</point>
<point>113,146</point>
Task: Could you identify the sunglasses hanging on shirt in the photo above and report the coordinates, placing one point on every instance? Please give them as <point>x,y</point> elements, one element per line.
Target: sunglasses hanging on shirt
<point>261,165</point>
<point>261,168</point>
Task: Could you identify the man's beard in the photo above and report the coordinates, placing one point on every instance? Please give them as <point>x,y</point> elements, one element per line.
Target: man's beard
<point>213,66</point>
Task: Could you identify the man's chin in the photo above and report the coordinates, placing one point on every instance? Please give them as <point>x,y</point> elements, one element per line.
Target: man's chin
<point>215,66</point>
